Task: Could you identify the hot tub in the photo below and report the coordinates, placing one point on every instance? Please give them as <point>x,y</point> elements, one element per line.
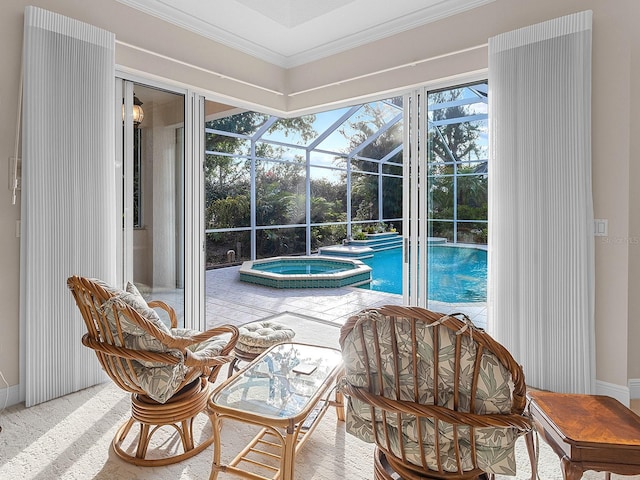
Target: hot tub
<point>314,271</point>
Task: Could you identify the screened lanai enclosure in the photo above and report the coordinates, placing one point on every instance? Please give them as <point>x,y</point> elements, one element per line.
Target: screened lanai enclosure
<point>289,186</point>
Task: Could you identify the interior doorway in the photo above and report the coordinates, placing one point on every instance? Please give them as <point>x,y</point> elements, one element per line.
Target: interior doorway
<point>152,193</point>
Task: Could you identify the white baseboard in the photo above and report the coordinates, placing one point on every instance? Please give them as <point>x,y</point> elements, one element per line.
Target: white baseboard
<point>619,392</point>
<point>11,395</point>
<point>634,388</point>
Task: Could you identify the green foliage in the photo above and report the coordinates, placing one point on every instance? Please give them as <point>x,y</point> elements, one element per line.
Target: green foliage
<point>229,212</point>
<point>280,178</point>
<point>451,142</point>
<point>364,188</point>
<point>282,241</point>
<point>454,150</point>
<point>325,235</point>
<point>359,235</point>
<point>228,170</point>
<point>372,229</point>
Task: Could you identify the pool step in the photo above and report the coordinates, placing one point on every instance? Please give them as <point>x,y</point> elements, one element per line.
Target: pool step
<point>378,244</point>
<point>379,241</point>
<point>348,251</point>
<point>361,249</point>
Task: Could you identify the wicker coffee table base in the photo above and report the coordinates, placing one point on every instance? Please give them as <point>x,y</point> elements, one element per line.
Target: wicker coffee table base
<point>281,433</point>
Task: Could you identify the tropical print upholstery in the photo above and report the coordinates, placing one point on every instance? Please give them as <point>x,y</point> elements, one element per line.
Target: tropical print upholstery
<point>159,380</point>
<point>412,437</point>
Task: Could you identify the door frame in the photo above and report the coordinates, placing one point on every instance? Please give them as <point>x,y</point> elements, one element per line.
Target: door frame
<point>194,238</point>
<point>414,211</point>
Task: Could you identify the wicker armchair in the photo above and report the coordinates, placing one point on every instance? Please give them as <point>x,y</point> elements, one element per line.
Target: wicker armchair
<point>167,371</point>
<point>439,398</point>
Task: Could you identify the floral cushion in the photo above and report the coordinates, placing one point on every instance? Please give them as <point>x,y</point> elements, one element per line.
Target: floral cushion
<point>160,383</point>
<point>159,380</point>
<point>132,297</point>
<point>494,446</point>
<point>211,347</point>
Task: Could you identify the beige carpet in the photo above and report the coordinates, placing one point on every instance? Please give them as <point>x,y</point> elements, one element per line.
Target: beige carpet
<point>69,438</point>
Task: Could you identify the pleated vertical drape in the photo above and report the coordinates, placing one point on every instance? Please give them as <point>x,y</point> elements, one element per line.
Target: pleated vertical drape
<point>68,194</point>
<point>541,260</point>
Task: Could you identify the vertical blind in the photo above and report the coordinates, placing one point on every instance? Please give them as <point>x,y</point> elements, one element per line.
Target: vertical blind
<point>541,260</point>
<point>415,234</point>
<point>68,194</point>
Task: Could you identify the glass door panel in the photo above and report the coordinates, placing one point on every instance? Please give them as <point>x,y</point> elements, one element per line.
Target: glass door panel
<point>153,233</point>
<point>457,159</point>
<point>446,200</point>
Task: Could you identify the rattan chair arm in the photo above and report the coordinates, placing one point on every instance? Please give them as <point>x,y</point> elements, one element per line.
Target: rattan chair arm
<point>196,359</point>
<point>167,308</point>
<point>186,340</point>
<point>131,354</point>
<point>520,422</point>
<point>191,359</point>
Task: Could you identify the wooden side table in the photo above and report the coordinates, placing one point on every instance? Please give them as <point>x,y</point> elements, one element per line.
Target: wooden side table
<point>587,432</point>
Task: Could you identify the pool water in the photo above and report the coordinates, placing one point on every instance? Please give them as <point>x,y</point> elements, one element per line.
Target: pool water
<point>293,267</point>
<point>456,274</point>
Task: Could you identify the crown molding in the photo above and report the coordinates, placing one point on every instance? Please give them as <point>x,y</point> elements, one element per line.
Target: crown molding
<point>172,14</point>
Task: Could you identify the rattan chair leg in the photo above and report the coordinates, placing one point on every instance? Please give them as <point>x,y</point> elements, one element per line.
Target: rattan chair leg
<point>178,414</point>
<point>232,366</point>
<point>384,471</point>
<point>381,468</point>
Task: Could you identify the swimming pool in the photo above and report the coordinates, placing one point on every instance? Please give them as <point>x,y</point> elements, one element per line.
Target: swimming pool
<point>456,274</point>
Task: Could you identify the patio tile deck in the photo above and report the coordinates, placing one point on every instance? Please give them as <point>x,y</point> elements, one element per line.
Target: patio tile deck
<point>231,301</point>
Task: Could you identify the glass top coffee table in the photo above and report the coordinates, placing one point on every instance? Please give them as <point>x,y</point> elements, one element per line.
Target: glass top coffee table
<point>285,391</point>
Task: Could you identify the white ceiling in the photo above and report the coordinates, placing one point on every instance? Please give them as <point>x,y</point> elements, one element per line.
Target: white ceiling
<point>293,32</point>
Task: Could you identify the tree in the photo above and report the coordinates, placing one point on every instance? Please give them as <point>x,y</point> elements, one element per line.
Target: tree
<point>280,188</point>
<point>364,187</point>
<point>457,173</point>
<point>227,163</point>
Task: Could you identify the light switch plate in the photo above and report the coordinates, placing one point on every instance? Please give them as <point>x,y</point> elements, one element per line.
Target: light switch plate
<point>601,227</point>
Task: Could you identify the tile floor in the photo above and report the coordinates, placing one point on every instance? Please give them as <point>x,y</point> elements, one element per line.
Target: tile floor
<point>231,301</point>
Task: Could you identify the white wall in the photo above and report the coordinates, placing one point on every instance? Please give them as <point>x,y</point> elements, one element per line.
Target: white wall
<point>445,51</point>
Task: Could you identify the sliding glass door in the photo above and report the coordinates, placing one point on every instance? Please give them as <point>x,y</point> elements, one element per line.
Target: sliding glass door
<point>445,206</point>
